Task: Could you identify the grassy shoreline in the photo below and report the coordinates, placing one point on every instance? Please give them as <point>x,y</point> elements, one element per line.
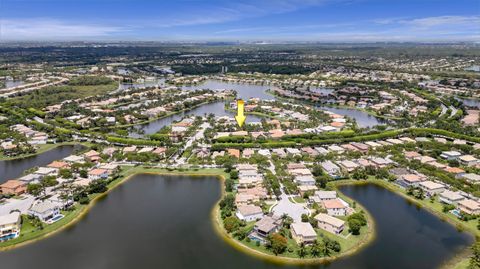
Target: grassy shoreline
<point>42,149</point>
<point>82,210</point>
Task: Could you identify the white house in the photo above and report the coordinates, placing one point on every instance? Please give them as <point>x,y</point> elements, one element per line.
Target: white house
<point>249,212</point>
<point>450,197</point>
<point>10,226</point>
<point>336,207</point>
<point>45,211</point>
<point>450,155</point>
<point>431,188</point>
<point>303,232</point>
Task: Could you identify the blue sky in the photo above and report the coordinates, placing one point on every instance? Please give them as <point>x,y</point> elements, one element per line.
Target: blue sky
<point>242,20</point>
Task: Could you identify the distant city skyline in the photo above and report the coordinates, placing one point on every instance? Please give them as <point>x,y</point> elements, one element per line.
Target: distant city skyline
<point>241,20</point>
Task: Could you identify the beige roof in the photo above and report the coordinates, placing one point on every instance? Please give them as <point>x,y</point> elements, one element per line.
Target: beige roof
<point>303,229</point>
<point>329,220</point>
<point>247,210</point>
<point>470,204</point>
<point>430,185</point>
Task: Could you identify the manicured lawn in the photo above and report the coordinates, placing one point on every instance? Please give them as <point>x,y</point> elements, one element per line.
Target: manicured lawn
<point>29,232</point>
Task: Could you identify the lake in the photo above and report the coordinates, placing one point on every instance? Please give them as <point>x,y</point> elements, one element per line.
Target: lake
<point>12,169</point>
<point>157,221</point>
<point>217,108</point>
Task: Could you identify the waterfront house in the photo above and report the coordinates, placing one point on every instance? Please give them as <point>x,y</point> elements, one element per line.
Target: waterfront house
<point>321,196</point>
<point>92,156</point>
<point>46,171</point>
<point>10,226</point>
<point>13,187</point>
<point>303,232</point>
<point>58,165</point>
<point>469,206</point>
<point>329,223</point>
<point>411,180</point>
<point>431,188</point>
<point>266,226</point>
<point>249,212</point>
<point>450,197</point>
<point>45,211</point>
<point>335,207</point>
<point>98,173</point>
<point>74,159</point>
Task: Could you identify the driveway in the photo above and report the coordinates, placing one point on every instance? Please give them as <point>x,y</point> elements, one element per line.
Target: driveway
<point>285,206</point>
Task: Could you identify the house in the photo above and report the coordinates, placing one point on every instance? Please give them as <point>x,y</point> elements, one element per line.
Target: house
<point>380,162</point>
<point>45,211</point>
<point>332,169</point>
<point>74,159</point>
<point>92,156</point>
<point>266,226</point>
<point>249,212</point>
<point>14,187</point>
<point>450,155</point>
<point>335,207</point>
<point>363,148</point>
<point>329,223</point>
<point>454,170</point>
<point>234,152</point>
<point>46,171</point>
<point>302,189</point>
<point>348,165</point>
<point>472,178</point>
<point>410,180</point>
<point>293,151</point>
<point>321,151</point>
<point>10,226</point>
<point>426,159</point>
<point>109,151</point>
<point>431,188</point>
<point>468,206</point>
<point>303,232</point>
<point>247,153</point>
<point>280,152</point>
<point>468,160</point>
<point>450,197</point>
<point>161,151</point>
<point>336,149</point>
<point>264,152</point>
<point>411,155</point>
<point>305,180</point>
<point>130,149</point>
<point>58,165</point>
<point>373,144</point>
<point>321,196</point>
<point>98,173</point>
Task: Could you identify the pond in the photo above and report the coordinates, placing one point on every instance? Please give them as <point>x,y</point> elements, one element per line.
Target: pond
<point>469,101</point>
<point>157,221</point>
<point>362,118</point>
<point>12,169</point>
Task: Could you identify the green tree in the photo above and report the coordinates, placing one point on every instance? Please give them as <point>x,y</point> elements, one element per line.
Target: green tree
<point>231,224</point>
<point>354,225</point>
<point>475,259</point>
<point>302,251</point>
<point>278,243</point>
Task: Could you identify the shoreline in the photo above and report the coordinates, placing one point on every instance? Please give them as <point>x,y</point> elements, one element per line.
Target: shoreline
<point>41,151</point>
<point>238,245</point>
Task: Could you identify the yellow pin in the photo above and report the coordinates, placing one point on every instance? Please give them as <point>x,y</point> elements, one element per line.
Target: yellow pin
<point>240,109</point>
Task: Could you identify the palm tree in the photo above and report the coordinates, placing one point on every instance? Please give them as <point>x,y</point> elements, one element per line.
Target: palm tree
<point>315,249</point>
<point>302,251</point>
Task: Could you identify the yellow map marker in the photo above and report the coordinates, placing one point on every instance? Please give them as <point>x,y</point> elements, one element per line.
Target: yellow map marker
<point>240,108</point>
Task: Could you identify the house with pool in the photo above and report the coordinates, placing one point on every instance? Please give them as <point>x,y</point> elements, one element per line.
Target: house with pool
<point>10,226</point>
<point>46,211</point>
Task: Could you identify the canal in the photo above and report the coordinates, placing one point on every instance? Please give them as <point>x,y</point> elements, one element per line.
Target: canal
<point>156,221</point>
<point>11,169</point>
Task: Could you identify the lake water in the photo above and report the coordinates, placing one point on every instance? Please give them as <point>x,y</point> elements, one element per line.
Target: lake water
<point>12,169</point>
<point>469,102</point>
<point>244,91</point>
<point>217,108</point>
<point>163,222</point>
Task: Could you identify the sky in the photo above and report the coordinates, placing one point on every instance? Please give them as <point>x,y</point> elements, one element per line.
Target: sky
<point>241,20</point>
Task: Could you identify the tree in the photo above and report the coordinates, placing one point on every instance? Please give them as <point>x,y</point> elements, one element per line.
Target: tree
<point>229,185</point>
<point>475,259</point>
<point>97,186</point>
<point>354,226</point>
<point>231,224</point>
<point>304,218</point>
<point>315,250</point>
<point>35,189</point>
<point>278,243</point>
<point>302,250</point>
<point>65,173</point>
<point>83,173</point>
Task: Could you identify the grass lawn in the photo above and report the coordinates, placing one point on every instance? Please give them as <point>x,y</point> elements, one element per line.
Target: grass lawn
<point>41,149</point>
<point>29,232</point>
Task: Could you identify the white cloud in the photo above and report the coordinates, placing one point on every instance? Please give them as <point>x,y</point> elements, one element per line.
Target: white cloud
<point>443,20</point>
<point>48,29</point>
